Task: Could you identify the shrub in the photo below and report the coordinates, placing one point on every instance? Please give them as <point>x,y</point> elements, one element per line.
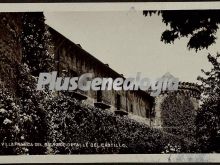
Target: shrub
<point>76,123</point>
<point>11,125</point>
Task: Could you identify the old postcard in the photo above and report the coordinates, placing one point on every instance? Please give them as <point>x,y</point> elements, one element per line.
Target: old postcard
<point>111,83</point>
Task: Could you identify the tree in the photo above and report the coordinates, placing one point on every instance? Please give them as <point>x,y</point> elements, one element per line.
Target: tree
<point>211,81</point>
<point>200,25</point>
<point>208,118</point>
<point>11,124</point>
<point>36,58</point>
<point>35,43</point>
<point>208,127</point>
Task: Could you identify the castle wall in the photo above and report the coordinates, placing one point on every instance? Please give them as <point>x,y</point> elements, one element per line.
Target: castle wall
<point>10,49</point>
<point>76,61</point>
<point>186,90</point>
<point>157,122</point>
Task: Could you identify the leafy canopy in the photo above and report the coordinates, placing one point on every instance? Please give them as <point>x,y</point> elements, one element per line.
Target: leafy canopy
<point>208,118</point>
<point>199,25</point>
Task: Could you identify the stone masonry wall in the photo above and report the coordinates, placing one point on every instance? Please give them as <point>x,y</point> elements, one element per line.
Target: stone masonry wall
<point>10,49</point>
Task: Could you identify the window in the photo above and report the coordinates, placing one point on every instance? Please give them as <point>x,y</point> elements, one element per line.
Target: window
<point>99,96</point>
<point>148,113</point>
<point>131,108</point>
<point>118,102</point>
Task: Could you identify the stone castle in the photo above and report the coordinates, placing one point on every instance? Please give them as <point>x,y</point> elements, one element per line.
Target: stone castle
<point>139,105</point>
<point>72,60</point>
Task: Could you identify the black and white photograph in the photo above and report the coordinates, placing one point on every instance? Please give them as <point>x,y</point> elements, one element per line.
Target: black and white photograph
<point>110,82</point>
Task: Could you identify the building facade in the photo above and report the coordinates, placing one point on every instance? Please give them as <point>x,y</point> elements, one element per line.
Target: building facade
<point>72,60</point>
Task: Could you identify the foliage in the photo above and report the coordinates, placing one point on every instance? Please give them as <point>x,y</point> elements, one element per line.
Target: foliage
<point>22,117</point>
<point>35,41</point>
<point>178,116</point>
<point>32,116</point>
<point>200,25</point>
<point>208,118</point>
<point>73,122</point>
<point>36,57</point>
<point>208,128</point>
<point>33,108</point>
<point>211,80</point>
<point>11,125</point>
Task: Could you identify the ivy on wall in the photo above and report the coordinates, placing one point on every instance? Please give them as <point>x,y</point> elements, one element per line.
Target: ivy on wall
<point>40,117</point>
<point>74,122</point>
<point>35,43</point>
<point>178,115</point>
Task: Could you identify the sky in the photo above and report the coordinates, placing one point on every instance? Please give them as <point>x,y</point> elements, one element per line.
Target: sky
<point>130,42</point>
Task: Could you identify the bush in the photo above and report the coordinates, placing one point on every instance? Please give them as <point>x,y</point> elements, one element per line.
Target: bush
<point>71,127</point>
<point>82,126</point>
<point>11,125</point>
